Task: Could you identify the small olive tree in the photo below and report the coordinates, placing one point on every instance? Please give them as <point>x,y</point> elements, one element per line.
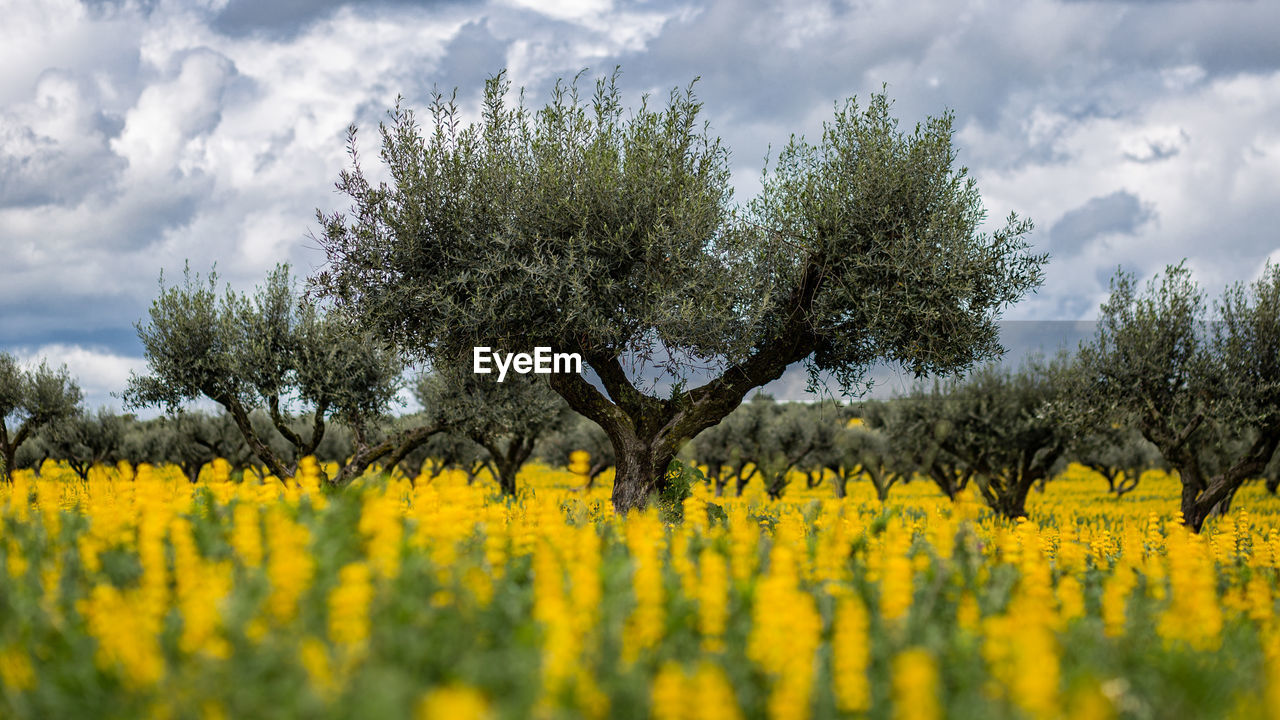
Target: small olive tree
<point>1006,426</point>
<point>31,399</point>
<point>917,423</point>
<point>505,418</point>
<point>1119,454</point>
<point>790,435</point>
<point>1187,380</point>
<point>87,439</point>
<point>609,232</point>
<point>266,350</point>
<point>732,448</point>
<point>862,450</point>
<point>579,433</point>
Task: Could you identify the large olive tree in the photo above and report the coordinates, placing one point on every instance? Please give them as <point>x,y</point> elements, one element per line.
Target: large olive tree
<point>610,232</point>
<point>1190,378</point>
<point>31,399</point>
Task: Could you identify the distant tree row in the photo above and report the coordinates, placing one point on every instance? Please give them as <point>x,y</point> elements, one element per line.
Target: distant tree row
<point>1167,382</point>
<point>191,440</point>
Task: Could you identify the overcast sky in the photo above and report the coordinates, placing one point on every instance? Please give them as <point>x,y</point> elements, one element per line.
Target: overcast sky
<point>137,135</point>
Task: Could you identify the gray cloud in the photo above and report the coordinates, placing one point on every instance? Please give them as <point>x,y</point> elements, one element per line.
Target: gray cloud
<point>471,56</point>
<point>142,133</point>
<point>1120,212</point>
<point>285,18</point>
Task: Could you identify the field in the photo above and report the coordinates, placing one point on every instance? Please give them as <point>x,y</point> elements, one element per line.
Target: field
<point>148,596</point>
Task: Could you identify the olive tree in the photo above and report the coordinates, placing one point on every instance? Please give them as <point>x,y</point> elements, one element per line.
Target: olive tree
<point>1119,454</point>
<point>1186,379</point>
<point>735,444</point>
<point>87,439</point>
<point>265,351</point>
<point>579,433</point>
<point>505,418</point>
<point>791,434</point>
<point>918,423</point>
<point>591,228</point>
<point>1006,426</point>
<point>31,399</point>
<point>862,450</point>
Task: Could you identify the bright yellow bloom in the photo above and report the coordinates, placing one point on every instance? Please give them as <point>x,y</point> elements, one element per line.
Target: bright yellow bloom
<point>456,702</point>
<point>851,655</point>
<point>349,608</point>
<point>915,686</point>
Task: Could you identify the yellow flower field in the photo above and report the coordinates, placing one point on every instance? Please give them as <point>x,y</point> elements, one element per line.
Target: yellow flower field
<point>148,596</point>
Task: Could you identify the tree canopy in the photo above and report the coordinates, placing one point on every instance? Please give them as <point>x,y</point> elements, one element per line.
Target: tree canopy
<point>1200,383</point>
<point>30,399</point>
<point>265,350</point>
<point>610,232</point>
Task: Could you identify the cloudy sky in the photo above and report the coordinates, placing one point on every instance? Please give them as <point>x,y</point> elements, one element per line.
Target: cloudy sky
<point>136,135</point>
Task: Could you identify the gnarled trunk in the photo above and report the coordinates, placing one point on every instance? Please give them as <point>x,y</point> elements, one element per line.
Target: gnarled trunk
<point>641,469</point>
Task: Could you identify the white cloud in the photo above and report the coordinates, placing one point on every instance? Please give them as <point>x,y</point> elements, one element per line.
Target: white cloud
<point>131,141</point>
<point>1209,174</point>
<point>98,372</point>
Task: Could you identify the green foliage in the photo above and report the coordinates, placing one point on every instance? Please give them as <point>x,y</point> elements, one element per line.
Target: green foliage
<point>681,478</point>
<point>1005,425</point>
<point>1204,389</point>
<point>267,350</point>
<point>85,439</point>
<point>506,418</point>
<point>592,229</point>
<point>1120,454</point>
<point>1003,428</point>
<point>31,399</point>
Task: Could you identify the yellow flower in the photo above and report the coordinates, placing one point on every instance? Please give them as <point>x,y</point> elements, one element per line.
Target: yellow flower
<point>851,655</point>
<point>646,624</point>
<point>246,534</point>
<point>290,566</point>
<point>127,638</point>
<point>668,693</point>
<point>713,599</point>
<point>455,702</point>
<point>915,686</point>
<point>314,656</point>
<point>15,669</point>
<point>349,608</point>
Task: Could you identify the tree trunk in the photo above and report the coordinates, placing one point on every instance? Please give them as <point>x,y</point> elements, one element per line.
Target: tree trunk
<point>259,448</point>
<point>641,469</point>
<point>1012,503</point>
<point>8,449</point>
<point>506,472</point>
<point>841,482</point>
<point>1214,499</point>
<point>397,446</point>
<point>1128,482</point>
<point>646,432</point>
<point>945,480</point>
<point>1007,497</point>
